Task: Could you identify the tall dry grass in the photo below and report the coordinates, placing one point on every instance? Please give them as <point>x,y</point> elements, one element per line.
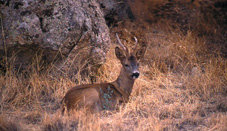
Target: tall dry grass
<point>182,86</point>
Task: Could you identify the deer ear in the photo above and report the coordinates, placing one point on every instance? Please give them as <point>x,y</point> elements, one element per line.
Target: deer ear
<point>119,53</point>
<point>140,52</point>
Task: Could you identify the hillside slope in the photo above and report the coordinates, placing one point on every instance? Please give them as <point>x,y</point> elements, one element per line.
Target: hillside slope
<point>183,82</point>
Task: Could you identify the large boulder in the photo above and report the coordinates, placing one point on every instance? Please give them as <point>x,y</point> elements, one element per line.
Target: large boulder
<point>116,11</point>
<point>54,31</point>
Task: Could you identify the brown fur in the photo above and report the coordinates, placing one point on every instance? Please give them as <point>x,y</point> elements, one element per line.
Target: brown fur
<point>94,97</point>
<point>6,125</point>
<point>107,96</point>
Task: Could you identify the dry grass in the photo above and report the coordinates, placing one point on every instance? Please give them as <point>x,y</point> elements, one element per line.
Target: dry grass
<point>190,95</point>
<point>183,86</point>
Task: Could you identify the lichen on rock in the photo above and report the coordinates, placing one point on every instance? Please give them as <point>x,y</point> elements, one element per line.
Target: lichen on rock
<point>53,27</point>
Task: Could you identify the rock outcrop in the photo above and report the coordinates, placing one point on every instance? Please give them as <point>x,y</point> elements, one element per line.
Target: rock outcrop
<point>54,31</point>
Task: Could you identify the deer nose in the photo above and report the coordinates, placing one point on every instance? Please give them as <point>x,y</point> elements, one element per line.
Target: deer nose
<point>135,75</point>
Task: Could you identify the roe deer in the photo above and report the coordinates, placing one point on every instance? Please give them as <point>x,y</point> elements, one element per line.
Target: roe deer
<point>107,96</point>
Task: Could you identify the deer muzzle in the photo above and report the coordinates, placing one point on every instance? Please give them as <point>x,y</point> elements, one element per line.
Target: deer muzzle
<point>135,74</point>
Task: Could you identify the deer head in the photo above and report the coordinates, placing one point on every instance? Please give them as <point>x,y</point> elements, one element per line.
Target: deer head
<point>130,60</point>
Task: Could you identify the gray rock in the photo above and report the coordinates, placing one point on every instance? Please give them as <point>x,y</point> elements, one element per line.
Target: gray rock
<point>54,29</point>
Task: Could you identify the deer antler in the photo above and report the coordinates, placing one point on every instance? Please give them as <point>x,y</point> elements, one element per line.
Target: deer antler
<point>135,46</point>
<point>119,41</point>
<point>136,43</point>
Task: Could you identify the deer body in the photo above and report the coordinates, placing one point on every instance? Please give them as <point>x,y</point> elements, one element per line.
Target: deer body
<point>107,96</point>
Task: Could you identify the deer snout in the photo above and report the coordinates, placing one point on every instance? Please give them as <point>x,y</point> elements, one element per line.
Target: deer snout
<point>135,74</point>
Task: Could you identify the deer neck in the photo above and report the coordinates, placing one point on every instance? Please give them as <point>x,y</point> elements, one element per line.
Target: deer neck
<point>124,84</point>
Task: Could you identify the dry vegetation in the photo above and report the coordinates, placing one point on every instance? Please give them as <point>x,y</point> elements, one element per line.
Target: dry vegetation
<point>183,85</point>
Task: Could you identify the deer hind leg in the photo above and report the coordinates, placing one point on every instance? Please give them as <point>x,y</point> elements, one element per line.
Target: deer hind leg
<point>63,110</point>
<point>63,106</point>
<point>92,101</point>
